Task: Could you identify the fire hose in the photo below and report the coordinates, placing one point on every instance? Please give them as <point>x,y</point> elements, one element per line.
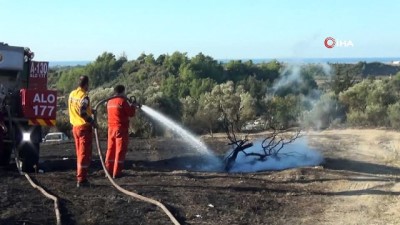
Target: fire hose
<point>44,192</point>
<point>132,194</point>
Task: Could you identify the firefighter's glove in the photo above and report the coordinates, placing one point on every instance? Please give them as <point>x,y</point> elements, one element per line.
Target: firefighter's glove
<point>132,100</point>
<point>94,124</point>
<point>92,121</point>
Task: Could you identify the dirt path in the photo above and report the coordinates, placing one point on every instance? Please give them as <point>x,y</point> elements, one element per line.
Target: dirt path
<point>366,188</point>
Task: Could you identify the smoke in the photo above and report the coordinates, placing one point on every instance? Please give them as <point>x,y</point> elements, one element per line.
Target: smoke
<point>295,154</point>
<point>289,75</point>
<point>292,74</point>
<point>327,69</point>
<point>319,108</point>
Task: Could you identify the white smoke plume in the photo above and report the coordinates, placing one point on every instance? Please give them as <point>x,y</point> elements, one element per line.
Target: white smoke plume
<point>327,69</point>
<point>319,109</point>
<point>290,74</point>
<point>295,154</point>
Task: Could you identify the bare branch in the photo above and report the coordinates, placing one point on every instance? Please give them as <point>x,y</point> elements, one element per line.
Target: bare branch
<point>271,145</point>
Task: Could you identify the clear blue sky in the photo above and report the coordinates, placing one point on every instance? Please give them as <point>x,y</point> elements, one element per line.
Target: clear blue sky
<point>224,29</point>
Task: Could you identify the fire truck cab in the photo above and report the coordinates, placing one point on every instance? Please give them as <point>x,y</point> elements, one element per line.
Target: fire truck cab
<point>26,105</point>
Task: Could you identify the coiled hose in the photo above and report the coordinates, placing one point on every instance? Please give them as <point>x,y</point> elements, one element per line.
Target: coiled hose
<point>132,194</point>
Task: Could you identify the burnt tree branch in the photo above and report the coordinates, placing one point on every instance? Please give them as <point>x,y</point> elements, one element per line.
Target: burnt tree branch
<point>270,145</point>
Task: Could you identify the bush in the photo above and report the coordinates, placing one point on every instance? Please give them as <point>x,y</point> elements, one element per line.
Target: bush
<point>63,124</point>
<point>393,113</point>
<point>324,112</point>
<point>376,115</point>
<point>356,118</point>
<point>282,112</point>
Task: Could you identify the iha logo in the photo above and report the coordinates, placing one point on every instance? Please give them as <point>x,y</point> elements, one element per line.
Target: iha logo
<point>331,42</point>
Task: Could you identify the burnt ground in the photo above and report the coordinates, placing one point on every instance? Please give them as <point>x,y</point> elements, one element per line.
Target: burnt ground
<point>357,184</point>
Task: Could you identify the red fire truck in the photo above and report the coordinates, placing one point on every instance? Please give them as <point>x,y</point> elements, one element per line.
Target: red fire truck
<point>26,105</point>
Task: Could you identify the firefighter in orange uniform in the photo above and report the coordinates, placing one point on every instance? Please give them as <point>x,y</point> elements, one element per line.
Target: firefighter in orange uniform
<point>119,110</point>
<point>81,118</point>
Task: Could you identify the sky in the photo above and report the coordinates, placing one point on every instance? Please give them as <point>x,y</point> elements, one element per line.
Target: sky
<point>76,30</point>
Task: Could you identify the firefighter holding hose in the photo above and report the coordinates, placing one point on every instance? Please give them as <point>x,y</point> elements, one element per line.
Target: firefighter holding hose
<point>81,118</point>
<point>119,110</point>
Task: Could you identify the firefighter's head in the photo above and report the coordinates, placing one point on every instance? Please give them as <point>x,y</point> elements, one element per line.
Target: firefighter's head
<point>84,82</point>
<point>119,89</point>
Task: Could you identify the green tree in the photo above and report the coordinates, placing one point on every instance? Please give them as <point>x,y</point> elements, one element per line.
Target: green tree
<point>208,113</point>
<point>355,98</point>
<point>157,99</point>
<point>170,87</point>
<point>68,80</point>
<point>103,70</point>
<point>256,88</point>
<point>200,86</point>
<point>236,70</point>
<point>229,102</point>
<point>189,111</point>
<point>186,73</point>
<point>368,102</point>
<point>281,112</point>
<point>248,109</point>
<point>345,76</point>
<point>226,101</point>
<point>175,61</point>
<point>206,67</point>
<point>394,115</point>
<point>356,118</point>
<point>149,60</point>
<point>269,71</point>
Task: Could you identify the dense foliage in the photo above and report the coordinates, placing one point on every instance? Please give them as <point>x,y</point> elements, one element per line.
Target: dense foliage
<point>199,91</point>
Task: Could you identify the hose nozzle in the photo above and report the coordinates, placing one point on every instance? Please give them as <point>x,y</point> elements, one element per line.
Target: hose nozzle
<point>132,101</point>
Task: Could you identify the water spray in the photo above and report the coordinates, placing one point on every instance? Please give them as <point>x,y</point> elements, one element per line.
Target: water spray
<point>213,163</point>
<point>183,133</point>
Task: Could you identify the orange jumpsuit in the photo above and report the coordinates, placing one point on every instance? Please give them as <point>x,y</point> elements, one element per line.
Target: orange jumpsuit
<point>119,111</point>
<point>80,115</point>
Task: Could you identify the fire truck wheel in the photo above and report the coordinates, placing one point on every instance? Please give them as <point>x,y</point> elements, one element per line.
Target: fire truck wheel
<point>29,156</point>
<point>5,155</point>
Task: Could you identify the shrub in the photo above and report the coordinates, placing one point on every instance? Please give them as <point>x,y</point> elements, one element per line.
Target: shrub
<point>326,110</point>
<point>376,115</point>
<point>63,124</point>
<point>356,118</point>
<point>393,113</point>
